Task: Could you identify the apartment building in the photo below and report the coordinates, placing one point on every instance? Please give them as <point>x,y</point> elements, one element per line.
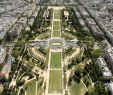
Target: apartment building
<point>103,67</point>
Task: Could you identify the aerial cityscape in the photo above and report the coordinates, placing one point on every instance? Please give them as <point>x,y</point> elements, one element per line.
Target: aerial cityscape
<point>56,47</point>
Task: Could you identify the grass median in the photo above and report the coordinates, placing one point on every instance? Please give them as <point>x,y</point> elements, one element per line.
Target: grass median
<point>55,60</point>
<point>55,82</point>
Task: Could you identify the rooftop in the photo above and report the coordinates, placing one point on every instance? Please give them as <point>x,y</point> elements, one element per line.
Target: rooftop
<point>103,66</point>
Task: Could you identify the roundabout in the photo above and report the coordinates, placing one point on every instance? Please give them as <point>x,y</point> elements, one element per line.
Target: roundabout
<point>56,43</point>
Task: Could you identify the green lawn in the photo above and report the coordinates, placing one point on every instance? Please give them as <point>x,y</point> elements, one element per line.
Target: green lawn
<point>56,33</point>
<point>56,17</point>
<point>55,81</point>
<point>39,90</point>
<point>55,60</point>
<point>56,27</point>
<point>56,14</point>
<point>56,22</point>
<point>77,89</point>
<point>31,87</point>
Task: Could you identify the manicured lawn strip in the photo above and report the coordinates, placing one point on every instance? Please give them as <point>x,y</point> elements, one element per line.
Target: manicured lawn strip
<point>56,11</point>
<point>31,87</point>
<point>56,14</point>
<point>55,82</point>
<point>56,33</point>
<point>77,88</point>
<point>56,27</point>
<point>56,22</point>
<point>55,60</point>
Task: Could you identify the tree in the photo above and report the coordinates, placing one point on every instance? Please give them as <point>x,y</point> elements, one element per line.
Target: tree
<point>90,93</point>
<point>22,91</point>
<point>96,53</point>
<point>0,41</point>
<point>86,81</point>
<point>8,37</point>
<point>16,53</point>
<point>3,79</point>
<point>6,86</point>
<point>100,88</point>
<point>20,82</point>
<point>69,81</point>
<point>76,79</point>
<point>78,74</point>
